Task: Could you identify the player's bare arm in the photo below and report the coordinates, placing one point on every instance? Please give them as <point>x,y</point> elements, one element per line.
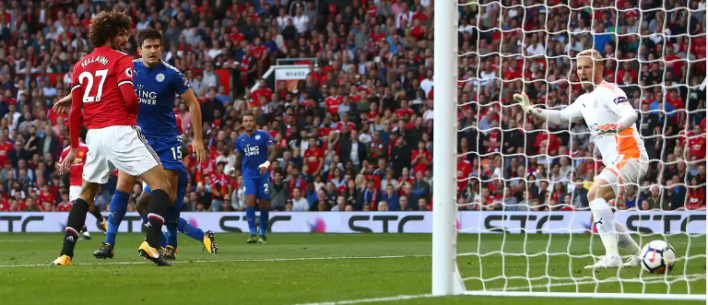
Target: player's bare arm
<point>271,158</point>
<point>62,104</point>
<point>74,128</point>
<point>198,144</point>
<point>238,161</point>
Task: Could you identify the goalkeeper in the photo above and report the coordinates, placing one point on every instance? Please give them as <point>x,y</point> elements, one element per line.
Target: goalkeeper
<point>610,118</point>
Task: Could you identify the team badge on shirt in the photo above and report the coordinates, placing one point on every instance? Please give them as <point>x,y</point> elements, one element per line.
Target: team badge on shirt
<point>258,137</point>
<point>160,77</point>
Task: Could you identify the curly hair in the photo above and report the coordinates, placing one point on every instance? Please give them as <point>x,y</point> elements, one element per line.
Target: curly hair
<point>106,26</point>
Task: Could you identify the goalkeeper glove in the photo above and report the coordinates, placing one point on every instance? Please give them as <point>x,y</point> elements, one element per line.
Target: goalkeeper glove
<point>526,104</point>
<point>610,128</point>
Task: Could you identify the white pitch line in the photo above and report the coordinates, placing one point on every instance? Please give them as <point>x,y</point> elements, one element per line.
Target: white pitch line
<point>420,296</point>
<point>230,261</point>
<point>372,300</point>
<point>593,282</point>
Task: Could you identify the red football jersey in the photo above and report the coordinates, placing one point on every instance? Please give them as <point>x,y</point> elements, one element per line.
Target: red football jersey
<point>98,76</point>
<point>340,125</point>
<point>332,103</point>
<point>63,207</point>
<point>256,94</point>
<point>312,157</point>
<point>5,149</point>
<point>4,206</point>
<point>464,169</point>
<point>420,167</point>
<point>698,146</point>
<point>77,169</point>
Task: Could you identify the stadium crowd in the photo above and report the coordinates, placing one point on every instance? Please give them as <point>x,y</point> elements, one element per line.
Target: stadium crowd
<point>356,134</point>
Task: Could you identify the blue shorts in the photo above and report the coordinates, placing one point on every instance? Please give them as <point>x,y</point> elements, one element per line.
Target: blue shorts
<point>258,186</point>
<point>169,150</point>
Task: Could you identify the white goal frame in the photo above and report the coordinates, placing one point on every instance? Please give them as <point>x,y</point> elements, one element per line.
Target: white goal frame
<point>446,278</point>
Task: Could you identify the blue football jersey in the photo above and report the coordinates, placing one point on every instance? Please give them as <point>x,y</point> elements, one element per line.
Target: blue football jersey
<point>254,151</point>
<point>156,89</point>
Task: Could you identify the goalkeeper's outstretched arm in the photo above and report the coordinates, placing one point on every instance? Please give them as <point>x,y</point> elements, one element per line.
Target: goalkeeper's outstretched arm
<point>553,117</point>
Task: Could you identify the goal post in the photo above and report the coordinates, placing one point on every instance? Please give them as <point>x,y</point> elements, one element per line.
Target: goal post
<point>446,278</point>
<point>473,251</point>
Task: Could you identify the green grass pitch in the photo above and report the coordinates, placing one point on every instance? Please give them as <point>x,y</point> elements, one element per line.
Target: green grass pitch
<point>314,268</point>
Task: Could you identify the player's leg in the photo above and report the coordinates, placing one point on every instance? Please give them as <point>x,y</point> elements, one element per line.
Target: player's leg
<point>631,173</point>
<point>116,213</point>
<point>97,214</point>
<point>119,205</point>
<point>606,187</point>
<point>250,186</point>
<point>96,172</point>
<point>77,218</point>
<point>264,205</point>
<point>132,154</point>
<point>176,223</point>
<point>183,226</point>
<point>157,209</point>
<point>74,192</point>
<point>172,218</point>
<point>141,208</point>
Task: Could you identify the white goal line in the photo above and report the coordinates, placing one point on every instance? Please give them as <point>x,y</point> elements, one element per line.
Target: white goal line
<point>496,291</point>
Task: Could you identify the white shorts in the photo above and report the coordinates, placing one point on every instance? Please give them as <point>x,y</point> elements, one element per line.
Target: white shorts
<point>623,176</point>
<point>117,147</point>
<point>74,192</point>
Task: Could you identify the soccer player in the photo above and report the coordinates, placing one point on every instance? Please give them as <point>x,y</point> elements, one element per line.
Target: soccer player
<point>102,88</point>
<point>75,172</point>
<point>157,84</point>
<point>252,147</point>
<point>610,117</point>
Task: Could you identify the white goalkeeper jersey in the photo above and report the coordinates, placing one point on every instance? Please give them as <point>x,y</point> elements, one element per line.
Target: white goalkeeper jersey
<point>602,106</point>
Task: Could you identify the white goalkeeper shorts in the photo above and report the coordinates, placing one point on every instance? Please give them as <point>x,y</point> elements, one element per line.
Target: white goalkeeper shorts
<point>623,176</point>
<point>117,147</point>
<point>74,192</point>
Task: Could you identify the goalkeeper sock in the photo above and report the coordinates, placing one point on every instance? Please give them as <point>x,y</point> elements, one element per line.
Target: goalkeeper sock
<point>77,218</point>
<point>118,208</point>
<point>251,219</point>
<point>625,241</point>
<point>604,222</point>
<point>191,231</point>
<point>264,222</point>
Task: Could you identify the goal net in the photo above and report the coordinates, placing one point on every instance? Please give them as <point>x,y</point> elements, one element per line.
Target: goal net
<point>511,215</point>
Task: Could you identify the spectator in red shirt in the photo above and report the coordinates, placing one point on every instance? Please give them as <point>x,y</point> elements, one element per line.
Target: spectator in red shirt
<point>314,157</point>
<point>262,90</point>
<point>697,143</point>
<point>420,158</point>
<point>333,101</point>
<point>296,181</point>
<point>65,204</point>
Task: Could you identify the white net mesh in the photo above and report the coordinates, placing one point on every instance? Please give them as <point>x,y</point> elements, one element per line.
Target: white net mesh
<point>529,181</point>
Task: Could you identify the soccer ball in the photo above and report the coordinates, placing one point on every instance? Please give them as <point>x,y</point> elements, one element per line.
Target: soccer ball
<point>658,257</point>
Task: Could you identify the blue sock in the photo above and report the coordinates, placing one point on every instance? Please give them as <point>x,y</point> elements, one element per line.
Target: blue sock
<point>251,219</point>
<point>163,240</point>
<point>191,231</point>
<point>264,222</point>
<point>119,206</point>
<point>172,235</point>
